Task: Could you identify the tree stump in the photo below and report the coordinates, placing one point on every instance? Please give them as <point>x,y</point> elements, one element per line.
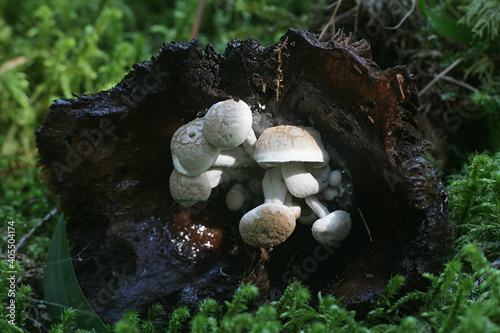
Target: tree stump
<point>107,157</point>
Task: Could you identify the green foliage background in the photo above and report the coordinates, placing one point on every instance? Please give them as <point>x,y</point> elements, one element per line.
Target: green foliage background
<point>55,48</point>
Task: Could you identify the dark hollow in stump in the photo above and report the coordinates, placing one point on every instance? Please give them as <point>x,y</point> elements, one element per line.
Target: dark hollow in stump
<point>107,157</point>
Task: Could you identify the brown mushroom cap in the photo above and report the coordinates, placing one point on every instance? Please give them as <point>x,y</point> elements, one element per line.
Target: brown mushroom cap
<point>287,143</point>
<point>267,225</point>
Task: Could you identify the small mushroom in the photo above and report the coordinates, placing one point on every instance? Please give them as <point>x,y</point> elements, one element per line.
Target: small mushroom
<point>192,154</point>
<point>272,222</point>
<point>227,124</point>
<point>235,197</point>
<point>330,193</point>
<point>331,228</point>
<point>335,178</point>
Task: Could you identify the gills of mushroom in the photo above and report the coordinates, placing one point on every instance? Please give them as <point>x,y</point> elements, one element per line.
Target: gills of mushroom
<point>272,222</point>
<point>192,154</point>
<point>331,228</point>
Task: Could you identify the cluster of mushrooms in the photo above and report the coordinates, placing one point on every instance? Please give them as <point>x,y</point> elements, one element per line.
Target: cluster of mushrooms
<point>206,150</point>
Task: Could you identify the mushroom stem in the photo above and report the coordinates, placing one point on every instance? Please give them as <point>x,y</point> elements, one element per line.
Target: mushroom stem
<point>234,158</point>
<point>273,186</point>
<point>317,207</point>
<point>296,209</point>
<point>249,143</point>
<point>302,180</point>
<point>216,176</point>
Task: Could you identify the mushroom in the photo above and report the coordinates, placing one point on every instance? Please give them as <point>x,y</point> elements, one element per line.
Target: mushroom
<point>192,154</point>
<point>272,222</point>
<point>301,153</point>
<point>335,178</point>
<point>187,191</point>
<point>228,124</point>
<point>235,197</point>
<point>331,228</point>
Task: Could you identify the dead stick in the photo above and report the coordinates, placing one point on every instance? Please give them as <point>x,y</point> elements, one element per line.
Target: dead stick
<point>38,225</point>
<point>197,20</point>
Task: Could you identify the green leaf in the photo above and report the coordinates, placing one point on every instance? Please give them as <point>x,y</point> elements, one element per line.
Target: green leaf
<point>446,26</point>
<point>60,285</point>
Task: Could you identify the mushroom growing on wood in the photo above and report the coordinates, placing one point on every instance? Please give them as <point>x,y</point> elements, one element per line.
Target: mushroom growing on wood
<point>272,222</point>
<point>331,228</point>
<point>300,152</point>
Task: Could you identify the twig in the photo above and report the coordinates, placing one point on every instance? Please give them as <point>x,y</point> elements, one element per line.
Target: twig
<point>440,75</point>
<point>331,21</point>
<point>408,13</point>
<point>197,20</point>
<point>459,83</point>
<point>38,225</point>
<point>356,17</point>
<point>366,225</point>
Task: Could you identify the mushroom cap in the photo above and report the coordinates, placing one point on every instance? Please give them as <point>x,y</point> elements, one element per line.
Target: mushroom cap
<point>287,143</point>
<point>192,154</point>
<point>227,124</point>
<point>267,225</point>
<point>332,229</point>
<point>189,190</point>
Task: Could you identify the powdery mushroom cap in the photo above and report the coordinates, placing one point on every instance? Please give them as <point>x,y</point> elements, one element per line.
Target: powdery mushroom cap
<point>227,124</point>
<point>332,229</point>
<point>192,154</point>
<point>189,190</point>
<point>267,225</point>
<point>287,143</point>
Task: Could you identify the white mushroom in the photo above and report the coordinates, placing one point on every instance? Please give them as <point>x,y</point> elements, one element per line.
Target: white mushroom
<point>235,197</point>
<point>272,222</point>
<point>330,193</point>
<point>331,228</point>
<point>301,153</point>
<point>227,124</point>
<point>335,178</point>
<point>192,154</point>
